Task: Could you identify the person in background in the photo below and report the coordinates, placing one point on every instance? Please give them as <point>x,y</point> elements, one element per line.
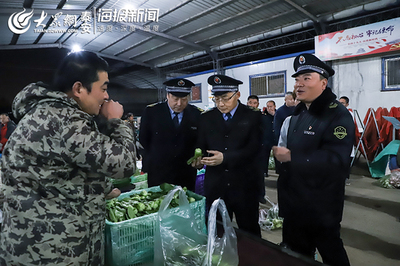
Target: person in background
<point>270,108</point>
<point>56,165</point>
<point>316,163</point>
<point>230,138</point>
<point>130,119</point>
<point>168,134</point>
<point>253,101</point>
<point>345,101</point>
<point>280,115</point>
<point>269,134</point>
<point>7,127</point>
<point>282,112</point>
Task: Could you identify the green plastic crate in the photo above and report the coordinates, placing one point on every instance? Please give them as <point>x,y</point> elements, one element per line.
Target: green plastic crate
<point>131,242</point>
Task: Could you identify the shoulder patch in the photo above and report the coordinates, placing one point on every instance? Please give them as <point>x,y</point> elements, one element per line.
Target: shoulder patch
<point>151,105</point>
<point>201,110</point>
<point>340,132</point>
<point>333,105</point>
<point>208,110</point>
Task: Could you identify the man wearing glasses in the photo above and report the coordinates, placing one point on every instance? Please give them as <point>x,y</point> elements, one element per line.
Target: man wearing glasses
<point>230,138</point>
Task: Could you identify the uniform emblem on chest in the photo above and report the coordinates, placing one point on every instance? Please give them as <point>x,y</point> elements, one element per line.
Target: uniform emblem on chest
<point>340,132</point>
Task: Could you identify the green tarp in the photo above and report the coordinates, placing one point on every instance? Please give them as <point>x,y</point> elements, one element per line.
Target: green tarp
<point>378,166</point>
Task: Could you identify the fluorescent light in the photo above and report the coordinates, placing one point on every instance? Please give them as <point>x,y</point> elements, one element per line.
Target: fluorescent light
<point>76,48</point>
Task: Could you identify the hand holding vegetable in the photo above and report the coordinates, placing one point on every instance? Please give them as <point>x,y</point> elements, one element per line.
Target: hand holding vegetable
<point>197,154</point>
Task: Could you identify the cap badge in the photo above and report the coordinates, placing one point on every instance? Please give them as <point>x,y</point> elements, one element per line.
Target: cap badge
<point>181,83</point>
<point>302,60</point>
<point>217,80</point>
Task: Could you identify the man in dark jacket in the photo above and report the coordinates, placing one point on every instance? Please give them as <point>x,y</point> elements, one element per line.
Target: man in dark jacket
<point>168,134</point>
<point>316,163</point>
<point>7,127</point>
<point>230,138</point>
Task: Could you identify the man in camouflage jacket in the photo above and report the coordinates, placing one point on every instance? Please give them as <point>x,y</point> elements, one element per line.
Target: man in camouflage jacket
<point>55,168</point>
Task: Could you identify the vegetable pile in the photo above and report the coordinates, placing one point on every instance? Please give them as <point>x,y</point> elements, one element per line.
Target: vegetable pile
<point>197,154</point>
<point>143,203</point>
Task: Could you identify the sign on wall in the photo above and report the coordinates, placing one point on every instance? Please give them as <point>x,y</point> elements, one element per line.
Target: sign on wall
<point>369,39</point>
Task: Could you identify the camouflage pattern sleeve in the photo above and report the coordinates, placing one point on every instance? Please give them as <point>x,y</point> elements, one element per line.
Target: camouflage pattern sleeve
<point>113,155</point>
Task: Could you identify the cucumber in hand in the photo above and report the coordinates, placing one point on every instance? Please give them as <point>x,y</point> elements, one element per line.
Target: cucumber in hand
<point>197,154</point>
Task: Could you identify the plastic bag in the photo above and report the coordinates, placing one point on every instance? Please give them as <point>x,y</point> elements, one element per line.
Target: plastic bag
<point>221,251</point>
<point>199,186</point>
<point>178,239</point>
<point>269,218</point>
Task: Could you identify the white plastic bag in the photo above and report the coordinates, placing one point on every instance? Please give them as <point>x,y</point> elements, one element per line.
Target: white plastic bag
<point>221,251</point>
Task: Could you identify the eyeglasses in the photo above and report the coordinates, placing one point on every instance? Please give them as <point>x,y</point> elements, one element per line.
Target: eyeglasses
<point>222,99</point>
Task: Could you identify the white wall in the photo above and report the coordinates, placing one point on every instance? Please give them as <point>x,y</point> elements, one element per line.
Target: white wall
<point>242,73</point>
<point>359,79</point>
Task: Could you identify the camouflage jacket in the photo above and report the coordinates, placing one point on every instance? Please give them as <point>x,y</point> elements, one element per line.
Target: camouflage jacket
<point>55,170</point>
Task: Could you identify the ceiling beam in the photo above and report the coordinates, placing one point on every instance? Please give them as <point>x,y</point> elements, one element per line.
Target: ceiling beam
<point>302,10</point>
<point>59,45</point>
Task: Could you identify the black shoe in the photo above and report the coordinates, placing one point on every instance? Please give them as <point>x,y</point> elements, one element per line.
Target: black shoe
<point>262,200</point>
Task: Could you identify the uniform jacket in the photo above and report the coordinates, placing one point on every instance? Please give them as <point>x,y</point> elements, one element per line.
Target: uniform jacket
<point>166,148</point>
<point>55,170</point>
<point>240,142</point>
<point>311,187</point>
<point>268,130</point>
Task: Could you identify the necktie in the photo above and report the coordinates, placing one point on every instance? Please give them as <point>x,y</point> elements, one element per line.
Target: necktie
<point>229,116</point>
<point>175,119</point>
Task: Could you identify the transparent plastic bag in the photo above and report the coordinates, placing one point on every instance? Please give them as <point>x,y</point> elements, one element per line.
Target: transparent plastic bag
<point>395,178</point>
<point>269,219</point>
<point>178,239</point>
<point>221,251</point>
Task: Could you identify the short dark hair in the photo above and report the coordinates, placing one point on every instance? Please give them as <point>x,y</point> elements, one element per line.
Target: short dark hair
<point>272,101</point>
<point>255,97</point>
<point>346,99</point>
<point>291,93</point>
<point>80,66</point>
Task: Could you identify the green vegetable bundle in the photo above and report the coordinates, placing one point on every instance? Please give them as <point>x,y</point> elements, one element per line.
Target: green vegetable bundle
<point>269,219</point>
<point>198,153</point>
<point>137,205</point>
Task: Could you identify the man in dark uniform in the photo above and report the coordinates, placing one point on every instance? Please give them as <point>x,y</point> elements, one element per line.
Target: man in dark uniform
<point>230,138</point>
<point>316,163</point>
<point>168,134</point>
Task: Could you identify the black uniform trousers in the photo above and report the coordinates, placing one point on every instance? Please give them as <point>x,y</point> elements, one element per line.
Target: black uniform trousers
<point>305,239</point>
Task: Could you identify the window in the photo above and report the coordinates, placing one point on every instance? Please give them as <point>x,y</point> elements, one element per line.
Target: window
<point>195,94</point>
<point>268,85</point>
<point>391,73</point>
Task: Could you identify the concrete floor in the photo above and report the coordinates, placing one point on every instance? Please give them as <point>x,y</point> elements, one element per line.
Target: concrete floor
<point>371,219</point>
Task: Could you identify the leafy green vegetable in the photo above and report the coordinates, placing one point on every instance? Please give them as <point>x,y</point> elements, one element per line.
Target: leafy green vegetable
<point>143,203</point>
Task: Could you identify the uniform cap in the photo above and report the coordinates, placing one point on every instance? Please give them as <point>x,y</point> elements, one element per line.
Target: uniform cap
<point>223,84</point>
<point>307,63</point>
<point>179,86</point>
